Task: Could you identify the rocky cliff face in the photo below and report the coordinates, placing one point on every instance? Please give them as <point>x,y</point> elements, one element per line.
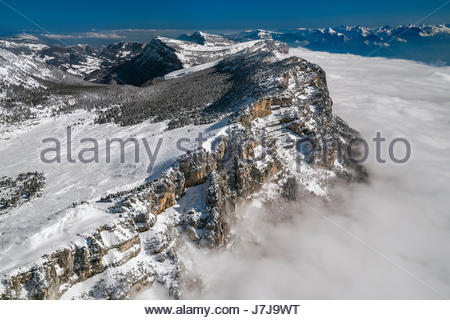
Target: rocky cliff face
<point>270,105</point>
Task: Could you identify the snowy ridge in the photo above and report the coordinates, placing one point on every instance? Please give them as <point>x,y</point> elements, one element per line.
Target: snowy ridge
<point>207,39</point>
<point>163,55</point>
<point>191,54</point>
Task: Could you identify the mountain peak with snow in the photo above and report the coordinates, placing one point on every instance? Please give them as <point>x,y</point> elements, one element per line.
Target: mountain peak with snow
<point>206,39</point>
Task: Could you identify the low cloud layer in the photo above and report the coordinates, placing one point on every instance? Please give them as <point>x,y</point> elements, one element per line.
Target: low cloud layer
<point>388,239</point>
<point>97,37</point>
<point>85,35</point>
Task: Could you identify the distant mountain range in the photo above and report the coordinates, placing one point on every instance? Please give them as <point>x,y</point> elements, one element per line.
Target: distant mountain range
<point>138,63</point>
<point>429,44</point>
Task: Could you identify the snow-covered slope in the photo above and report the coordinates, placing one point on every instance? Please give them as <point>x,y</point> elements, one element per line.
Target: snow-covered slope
<point>67,183</point>
<point>30,90</point>
<point>23,47</point>
<point>19,74</point>
<point>81,60</point>
<point>20,71</point>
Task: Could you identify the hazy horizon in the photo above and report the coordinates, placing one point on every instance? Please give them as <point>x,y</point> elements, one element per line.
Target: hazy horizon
<point>82,16</point>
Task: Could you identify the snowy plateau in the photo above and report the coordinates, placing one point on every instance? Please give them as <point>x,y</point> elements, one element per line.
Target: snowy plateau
<point>124,229</point>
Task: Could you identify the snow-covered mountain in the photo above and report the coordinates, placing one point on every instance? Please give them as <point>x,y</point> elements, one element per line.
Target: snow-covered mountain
<point>23,45</point>
<point>81,60</point>
<point>163,55</point>
<point>137,63</point>
<point>206,39</point>
<point>19,73</point>
<point>86,61</point>
<point>416,42</point>
<point>111,229</point>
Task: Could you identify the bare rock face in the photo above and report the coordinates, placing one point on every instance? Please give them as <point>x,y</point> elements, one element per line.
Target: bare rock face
<point>272,104</point>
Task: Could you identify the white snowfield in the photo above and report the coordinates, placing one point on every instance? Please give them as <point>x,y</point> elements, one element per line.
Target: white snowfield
<point>213,39</point>
<point>191,53</point>
<point>186,71</point>
<point>47,223</point>
<point>207,47</point>
<point>87,67</point>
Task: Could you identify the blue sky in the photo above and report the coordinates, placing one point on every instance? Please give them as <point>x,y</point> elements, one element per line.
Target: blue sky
<point>82,15</point>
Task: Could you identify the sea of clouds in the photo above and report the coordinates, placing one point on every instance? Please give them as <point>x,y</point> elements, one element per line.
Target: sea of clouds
<point>389,239</point>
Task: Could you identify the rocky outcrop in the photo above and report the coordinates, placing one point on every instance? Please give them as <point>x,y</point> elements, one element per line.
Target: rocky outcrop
<point>106,247</point>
